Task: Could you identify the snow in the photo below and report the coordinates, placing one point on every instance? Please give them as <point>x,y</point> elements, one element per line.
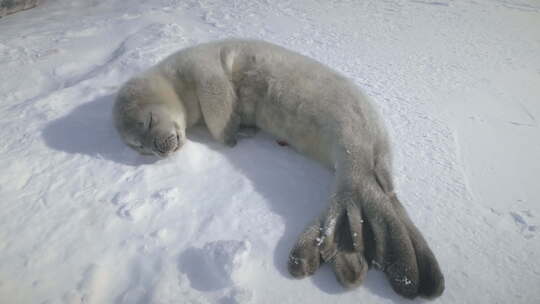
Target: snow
<point>84,219</point>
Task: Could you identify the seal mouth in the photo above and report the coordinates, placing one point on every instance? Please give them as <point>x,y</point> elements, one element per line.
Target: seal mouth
<point>166,146</point>
<point>177,143</point>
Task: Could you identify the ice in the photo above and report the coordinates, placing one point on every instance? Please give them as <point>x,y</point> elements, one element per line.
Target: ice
<point>84,219</point>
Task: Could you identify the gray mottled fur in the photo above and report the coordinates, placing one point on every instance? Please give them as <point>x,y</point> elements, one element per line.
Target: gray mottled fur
<point>317,111</point>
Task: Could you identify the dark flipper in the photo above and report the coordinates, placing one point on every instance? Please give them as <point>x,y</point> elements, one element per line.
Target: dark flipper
<point>431,279</point>
<point>305,258</point>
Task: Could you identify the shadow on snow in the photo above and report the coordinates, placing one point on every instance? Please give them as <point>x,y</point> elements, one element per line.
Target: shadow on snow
<point>89,130</point>
<point>296,188</point>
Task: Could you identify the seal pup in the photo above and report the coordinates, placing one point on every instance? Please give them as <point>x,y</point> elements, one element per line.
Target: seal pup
<point>317,111</point>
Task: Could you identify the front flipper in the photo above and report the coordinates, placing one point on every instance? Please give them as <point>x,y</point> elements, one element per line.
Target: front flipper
<point>218,105</point>
<point>246,132</point>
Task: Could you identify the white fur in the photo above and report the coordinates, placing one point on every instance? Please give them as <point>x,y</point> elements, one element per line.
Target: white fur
<point>317,111</point>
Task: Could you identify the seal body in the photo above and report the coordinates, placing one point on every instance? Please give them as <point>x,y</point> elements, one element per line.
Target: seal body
<point>320,113</point>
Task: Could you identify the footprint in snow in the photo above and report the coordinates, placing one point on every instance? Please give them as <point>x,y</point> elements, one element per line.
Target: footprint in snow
<point>217,265</point>
<point>164,197</point>
<point>129,208</point>
<point>133,209</point>
<point>237,296</point>
<point>522,218</point>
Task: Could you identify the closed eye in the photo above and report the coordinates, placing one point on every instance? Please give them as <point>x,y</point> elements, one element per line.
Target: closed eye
<point>136,146</point>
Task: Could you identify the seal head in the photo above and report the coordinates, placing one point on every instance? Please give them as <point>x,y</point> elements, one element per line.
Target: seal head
<point>148,127</point>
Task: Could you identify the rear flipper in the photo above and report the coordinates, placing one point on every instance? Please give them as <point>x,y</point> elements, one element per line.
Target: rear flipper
<point>401,252</point>
<point>337,239</point>
<point>392,250</point>
<point>430,280</point>
<point>305,258</point>
<point>365,225</point>
<point>349,262</point>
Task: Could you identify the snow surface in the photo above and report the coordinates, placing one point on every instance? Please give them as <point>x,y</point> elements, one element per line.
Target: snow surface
<point>84,219</point>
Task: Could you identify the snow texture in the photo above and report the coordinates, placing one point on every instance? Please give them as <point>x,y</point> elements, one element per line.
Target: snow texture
<point>84,219</point>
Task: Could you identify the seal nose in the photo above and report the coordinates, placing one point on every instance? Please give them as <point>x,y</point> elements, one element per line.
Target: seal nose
<point>167,145</point>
